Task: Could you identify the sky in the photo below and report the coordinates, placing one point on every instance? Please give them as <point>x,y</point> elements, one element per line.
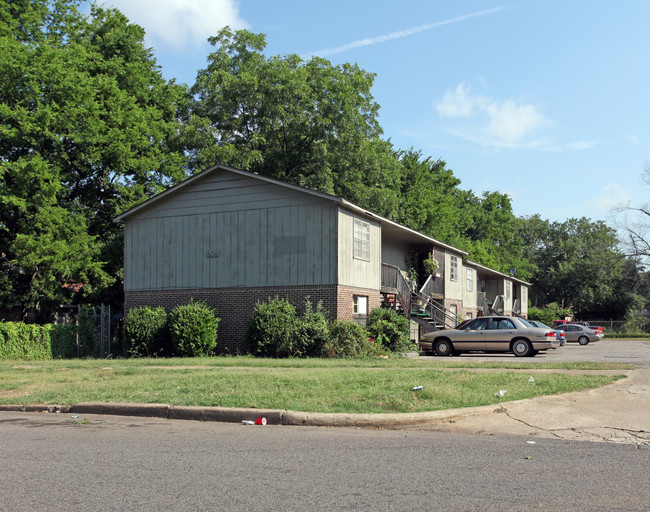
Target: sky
<point>544,100</point>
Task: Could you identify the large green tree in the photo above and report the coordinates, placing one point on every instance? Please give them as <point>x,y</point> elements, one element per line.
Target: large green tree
<point>305,122</point>
<point>431,201</point>
<point>87,123</point>
<point>579,265</point>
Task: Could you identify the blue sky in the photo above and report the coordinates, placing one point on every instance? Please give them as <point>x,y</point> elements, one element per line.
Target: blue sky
<point>545,100</point>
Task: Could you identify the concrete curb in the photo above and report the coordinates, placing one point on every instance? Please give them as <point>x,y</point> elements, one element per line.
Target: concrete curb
<point>273,417</point>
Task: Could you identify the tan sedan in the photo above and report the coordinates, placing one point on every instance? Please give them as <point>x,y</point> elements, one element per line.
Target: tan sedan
<point>491,334</point>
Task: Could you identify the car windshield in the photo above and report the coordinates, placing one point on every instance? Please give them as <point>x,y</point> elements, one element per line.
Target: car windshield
<point>478,324</point>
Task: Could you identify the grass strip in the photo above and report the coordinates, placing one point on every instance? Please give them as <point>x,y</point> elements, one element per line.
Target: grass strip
<point>350,386</point>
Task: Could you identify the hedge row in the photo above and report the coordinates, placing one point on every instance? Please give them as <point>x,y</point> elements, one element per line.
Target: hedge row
<point>276,330</point>
<point>32,342</point>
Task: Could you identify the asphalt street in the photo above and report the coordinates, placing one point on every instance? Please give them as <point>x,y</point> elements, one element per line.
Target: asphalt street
<point>58,462</point>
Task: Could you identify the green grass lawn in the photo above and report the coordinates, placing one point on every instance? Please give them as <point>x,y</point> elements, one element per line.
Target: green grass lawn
<point>312,385</point>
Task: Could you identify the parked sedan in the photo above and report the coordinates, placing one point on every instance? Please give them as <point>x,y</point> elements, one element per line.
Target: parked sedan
<point>558,331</point>
<point>491,334</point>
<point>580,333</point>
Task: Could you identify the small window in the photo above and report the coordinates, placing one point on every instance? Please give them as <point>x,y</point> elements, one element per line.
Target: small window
<point>361,240</point>
<point>453,268</point>
<point>360,305</point>
<point>470,279</point>
<point>468,316</point>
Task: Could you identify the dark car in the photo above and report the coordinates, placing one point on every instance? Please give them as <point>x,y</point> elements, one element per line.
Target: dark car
<point>491,334</point>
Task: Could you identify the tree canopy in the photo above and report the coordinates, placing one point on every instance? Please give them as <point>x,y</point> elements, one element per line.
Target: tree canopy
<point>304,122</point>
<point>89,127</point>
<point>86,123</point>
<point>578,264</point>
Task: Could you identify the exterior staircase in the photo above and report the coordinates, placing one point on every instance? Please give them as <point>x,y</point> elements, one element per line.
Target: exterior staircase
<point>420,307</point>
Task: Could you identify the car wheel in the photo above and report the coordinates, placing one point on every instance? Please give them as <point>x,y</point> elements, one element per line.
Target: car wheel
<point>583,340</point>
<point>443,347</point>
<point>522,348</point>
<point>533,353</point>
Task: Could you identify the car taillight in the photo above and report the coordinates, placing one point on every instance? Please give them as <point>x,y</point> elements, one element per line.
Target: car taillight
<point>549,334</point>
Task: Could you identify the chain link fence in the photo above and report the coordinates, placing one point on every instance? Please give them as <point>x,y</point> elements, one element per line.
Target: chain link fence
<point>99,333</point>
<point>635,325</point>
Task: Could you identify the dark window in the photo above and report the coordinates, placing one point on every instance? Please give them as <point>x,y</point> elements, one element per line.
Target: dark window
<point>477,325</point>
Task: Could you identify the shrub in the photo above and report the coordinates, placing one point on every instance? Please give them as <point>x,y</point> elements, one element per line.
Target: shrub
<point>63,339</point>
<point>25,341</point>
<point>310,334</point>
<point>272,326</point>
<point>389,328</point>
<point>349,339</point>
<point>145,331</point>
<point>548,313</point>
<point>193,329</point>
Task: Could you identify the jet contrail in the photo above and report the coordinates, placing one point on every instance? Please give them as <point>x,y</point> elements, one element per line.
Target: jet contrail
<point>401,33</point>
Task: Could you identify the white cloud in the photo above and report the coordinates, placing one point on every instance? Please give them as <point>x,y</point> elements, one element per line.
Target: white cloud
<point>456,103</point>
<point>503,123</point>
<point>582,144</point>
<point>181,24</point>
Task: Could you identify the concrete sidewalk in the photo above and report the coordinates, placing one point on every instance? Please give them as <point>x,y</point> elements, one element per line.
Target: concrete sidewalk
<point>619,413</point>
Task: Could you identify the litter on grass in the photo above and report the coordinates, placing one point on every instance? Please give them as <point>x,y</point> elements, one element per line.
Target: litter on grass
<point>500,393</point>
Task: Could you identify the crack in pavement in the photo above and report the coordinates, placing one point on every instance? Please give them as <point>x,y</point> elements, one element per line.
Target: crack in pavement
<point>638,437</point>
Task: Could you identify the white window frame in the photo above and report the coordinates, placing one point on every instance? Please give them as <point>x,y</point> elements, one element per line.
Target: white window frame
<point>360,304</point>
<point>469,276</point>
<point>453,268</point>
<point>361,235</point>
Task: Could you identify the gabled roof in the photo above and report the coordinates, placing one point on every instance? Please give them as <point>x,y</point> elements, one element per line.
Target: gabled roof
<point>387,224</point>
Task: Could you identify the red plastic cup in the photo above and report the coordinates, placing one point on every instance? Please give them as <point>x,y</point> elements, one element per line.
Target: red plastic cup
<point>260,421</point>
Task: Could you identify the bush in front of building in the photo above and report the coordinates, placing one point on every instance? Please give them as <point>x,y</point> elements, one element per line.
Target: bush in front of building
<point>349,339</point>
<point>193,328</point>
<point>146,332</point>
<point>389,328</point>
<point>311,332</point>
<point>272,326</point>
<point>25,341</point>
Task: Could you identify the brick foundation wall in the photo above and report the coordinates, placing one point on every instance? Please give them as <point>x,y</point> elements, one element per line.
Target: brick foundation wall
<point>235,305</point>
<point>345,303</point>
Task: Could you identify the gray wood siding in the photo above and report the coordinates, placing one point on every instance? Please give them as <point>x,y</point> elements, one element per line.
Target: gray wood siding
<point>281,238</point>
<point>357,272</point>
<point>224,192</point>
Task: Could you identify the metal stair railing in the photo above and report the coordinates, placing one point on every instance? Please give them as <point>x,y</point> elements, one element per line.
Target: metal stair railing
<point>392,278</point>
<point>436,312</point>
